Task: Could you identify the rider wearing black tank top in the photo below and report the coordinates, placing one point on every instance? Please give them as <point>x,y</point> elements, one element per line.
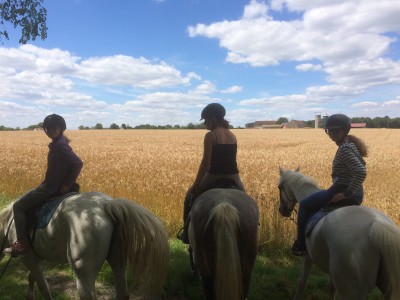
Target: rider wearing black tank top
<point>219,158</point>
<point>223,159</point>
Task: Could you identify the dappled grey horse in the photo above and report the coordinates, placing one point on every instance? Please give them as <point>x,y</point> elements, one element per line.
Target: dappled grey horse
<point>358,246</point>
<point>88,229</point>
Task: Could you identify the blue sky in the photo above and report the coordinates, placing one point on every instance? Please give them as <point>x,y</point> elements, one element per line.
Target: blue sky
<point>160,62</point>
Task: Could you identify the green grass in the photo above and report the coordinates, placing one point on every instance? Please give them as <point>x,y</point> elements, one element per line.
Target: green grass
<point>274,277</point>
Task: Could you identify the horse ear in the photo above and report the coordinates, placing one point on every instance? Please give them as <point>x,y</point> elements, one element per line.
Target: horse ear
<point>280,170</point>
<point>297,169</point>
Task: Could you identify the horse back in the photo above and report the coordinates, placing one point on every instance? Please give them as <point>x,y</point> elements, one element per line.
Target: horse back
<point>79,223</point>
<point>341,232</point>
<point>245,205</point>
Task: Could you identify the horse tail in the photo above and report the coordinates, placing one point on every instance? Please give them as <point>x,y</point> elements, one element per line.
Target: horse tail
<point>143,243</point>
<point>228,274</point>
<point>386,237</point>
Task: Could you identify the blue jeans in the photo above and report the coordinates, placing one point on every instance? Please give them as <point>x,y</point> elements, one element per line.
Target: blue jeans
<point>313,203</point>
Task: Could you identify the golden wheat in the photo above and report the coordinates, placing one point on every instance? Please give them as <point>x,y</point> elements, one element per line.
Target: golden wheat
<point>155,167</point>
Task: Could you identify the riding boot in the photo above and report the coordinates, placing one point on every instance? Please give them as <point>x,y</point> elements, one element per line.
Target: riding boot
<point>17,249</point>
<point>183,233</point>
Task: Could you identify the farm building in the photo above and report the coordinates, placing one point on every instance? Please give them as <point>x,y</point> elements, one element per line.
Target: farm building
<point>266,124</point>
<point>358,125</point>
<point>295,124</point>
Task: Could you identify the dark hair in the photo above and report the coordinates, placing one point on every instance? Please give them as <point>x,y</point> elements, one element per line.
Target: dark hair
<point>360,145</point>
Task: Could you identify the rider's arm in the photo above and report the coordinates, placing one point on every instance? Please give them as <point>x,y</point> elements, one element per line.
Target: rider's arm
<point>209,140</point>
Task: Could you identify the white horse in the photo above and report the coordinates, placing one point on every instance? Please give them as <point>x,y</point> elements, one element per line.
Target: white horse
<point>358,246</point>
<point>88,229</point>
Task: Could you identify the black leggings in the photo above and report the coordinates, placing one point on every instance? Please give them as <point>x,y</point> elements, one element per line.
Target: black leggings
<point>28,201</point>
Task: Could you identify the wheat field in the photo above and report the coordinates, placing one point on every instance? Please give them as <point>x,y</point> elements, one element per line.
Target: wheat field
<point>155,167</point>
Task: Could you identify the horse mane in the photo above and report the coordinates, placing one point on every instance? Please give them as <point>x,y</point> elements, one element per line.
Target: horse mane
<point>298,179</point>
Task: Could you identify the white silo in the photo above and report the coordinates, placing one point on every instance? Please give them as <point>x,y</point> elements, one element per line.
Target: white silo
<point>317,120</point>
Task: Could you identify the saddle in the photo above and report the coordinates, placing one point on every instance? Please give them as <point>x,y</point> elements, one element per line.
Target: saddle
<point>221,183</point>
<point>315,218</point>
<point>40,216</point>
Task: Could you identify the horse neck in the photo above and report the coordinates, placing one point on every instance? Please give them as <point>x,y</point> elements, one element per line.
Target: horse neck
<point>305,191</point>
<point>5,215</point>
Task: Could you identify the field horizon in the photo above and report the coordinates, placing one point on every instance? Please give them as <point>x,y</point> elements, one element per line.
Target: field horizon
<point>156,167</point>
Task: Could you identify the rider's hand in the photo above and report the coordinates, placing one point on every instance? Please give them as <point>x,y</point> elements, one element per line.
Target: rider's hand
<point>338,197</point>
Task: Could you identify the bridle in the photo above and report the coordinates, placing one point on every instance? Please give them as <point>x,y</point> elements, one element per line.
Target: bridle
<point>284,203</point>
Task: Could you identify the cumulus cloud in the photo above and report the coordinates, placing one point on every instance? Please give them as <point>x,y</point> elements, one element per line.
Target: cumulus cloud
<point>329,31</point>
<point>33,78</point>
<point>232,90</point>
<point>207,87</point>
<point>366,104</point>
<point>128,71</point>
<point>309,67</point>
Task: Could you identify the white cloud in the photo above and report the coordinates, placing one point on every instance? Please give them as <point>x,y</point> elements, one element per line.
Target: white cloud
<point>309,67</point>
<point>329,31</point>
<point>128,71</point>
<point>207,87</point>
<point>232,90</point>
<point>394,102</point>
<point>366,104</point>
<point>255,10</point>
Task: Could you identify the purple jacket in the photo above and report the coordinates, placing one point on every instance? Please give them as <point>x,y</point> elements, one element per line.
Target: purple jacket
<point>63,166</point>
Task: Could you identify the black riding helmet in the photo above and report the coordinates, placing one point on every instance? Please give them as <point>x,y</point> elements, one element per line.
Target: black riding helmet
<point>53,121</point>
<point>337,121</point>
<point>213,110</point>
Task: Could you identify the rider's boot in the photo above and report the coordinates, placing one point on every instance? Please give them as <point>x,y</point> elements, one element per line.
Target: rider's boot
<point>17,249</point>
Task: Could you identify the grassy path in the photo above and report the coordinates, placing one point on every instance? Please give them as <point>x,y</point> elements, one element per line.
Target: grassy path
<point>274,277</point>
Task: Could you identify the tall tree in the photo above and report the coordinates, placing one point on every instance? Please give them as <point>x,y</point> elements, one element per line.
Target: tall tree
<point>26,14</point>
<point>282,120</point>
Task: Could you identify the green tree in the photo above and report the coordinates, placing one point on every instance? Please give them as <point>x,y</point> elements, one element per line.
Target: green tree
<point>114,126</point>
<point>98,126</point>
<point>282,120</point>
<point>29,15</point>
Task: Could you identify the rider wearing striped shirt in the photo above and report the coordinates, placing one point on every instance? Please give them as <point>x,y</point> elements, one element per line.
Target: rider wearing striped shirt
<point>348,175</point>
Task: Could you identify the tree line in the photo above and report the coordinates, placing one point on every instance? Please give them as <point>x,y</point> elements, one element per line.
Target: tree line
<point>377,122</point>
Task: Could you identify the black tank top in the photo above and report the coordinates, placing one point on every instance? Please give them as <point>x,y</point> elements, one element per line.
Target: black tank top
<point>223,159</point>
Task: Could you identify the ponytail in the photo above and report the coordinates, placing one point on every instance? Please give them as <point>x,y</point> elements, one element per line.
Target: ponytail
<point>360,145</point>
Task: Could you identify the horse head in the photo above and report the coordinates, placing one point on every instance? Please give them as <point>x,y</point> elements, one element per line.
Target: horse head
<point>287,200</point>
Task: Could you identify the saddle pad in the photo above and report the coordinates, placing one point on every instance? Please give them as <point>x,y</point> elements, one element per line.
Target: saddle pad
<point>43,216</point>
<point>326,210</point>
<point>315,219</point>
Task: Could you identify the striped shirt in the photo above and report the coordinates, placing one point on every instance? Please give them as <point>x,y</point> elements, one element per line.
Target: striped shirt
<point>348,168</point>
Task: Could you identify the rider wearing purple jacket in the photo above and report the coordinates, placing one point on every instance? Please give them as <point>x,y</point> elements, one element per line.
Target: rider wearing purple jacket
<point>63,168</point>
